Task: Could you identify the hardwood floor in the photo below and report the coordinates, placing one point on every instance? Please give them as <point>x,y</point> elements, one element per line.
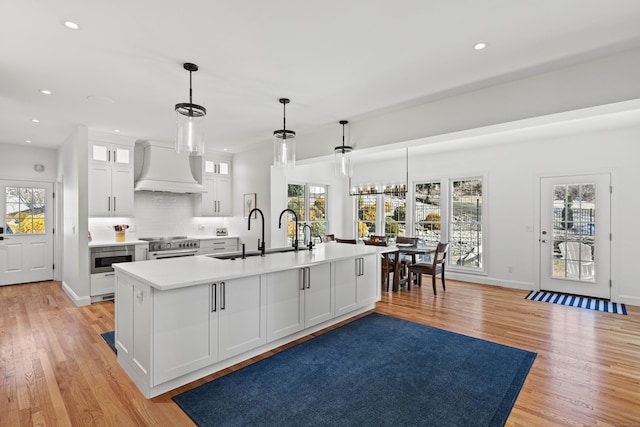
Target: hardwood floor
<point>56,370</point>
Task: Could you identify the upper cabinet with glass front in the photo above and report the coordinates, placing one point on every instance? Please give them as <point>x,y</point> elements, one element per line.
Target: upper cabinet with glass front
<point>110,175</point>
<point>214,173</point>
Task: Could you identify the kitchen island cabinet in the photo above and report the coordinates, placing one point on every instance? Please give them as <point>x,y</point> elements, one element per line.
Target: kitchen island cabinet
<point>180,319</point>
<point>298,299</point>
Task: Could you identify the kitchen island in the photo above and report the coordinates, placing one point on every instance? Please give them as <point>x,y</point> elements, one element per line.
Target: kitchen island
<point>180,319</point>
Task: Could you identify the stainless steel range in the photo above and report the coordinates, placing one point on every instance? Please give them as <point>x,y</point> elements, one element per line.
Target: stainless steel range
<point>171,247</point>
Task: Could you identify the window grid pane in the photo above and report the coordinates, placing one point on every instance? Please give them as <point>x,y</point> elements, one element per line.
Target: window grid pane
<point>466,223</point>
<point>367,206</point>
<point>427,212</point>
<point>25,210</point>
<point>395,214</point>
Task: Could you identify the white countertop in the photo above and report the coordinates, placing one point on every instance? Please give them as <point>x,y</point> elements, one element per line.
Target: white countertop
<point>101,243</point>
<point>175,273</point>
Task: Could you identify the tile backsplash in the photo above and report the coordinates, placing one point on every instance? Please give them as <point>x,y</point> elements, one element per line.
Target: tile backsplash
<point>159,214</point>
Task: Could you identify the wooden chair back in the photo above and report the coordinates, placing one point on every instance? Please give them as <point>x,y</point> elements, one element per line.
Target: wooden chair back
<point>351,241</point>
<point>327,238</point>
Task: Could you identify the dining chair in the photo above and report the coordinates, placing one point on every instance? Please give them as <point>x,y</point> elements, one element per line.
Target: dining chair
<point>434,268</point>
<point>406,260</point>
<point>351,241</point>
<point>389,264</point>
<point>374,238</point>
<point>328,238</point>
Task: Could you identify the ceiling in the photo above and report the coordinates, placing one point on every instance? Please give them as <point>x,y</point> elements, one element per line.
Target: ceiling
<point>334,59</point>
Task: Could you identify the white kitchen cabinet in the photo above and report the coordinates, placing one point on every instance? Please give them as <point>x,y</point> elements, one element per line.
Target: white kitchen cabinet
<point>242,316</point>
<point>355,283</point>
<point>193,327</point>
<point>214,173</point>
<point>142,251</point>
<point>185,337</point>
<point>110,178</point>
<point>102,284</point>
<point>298,299</point>
<point>218,245</point>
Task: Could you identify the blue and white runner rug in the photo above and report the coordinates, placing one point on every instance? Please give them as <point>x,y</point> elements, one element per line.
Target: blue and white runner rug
<point>577,301</point>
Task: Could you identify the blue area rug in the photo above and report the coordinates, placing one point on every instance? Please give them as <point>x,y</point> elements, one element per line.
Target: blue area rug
<point>578,301</point>
<point>374,371</point>
<point>110,338</point>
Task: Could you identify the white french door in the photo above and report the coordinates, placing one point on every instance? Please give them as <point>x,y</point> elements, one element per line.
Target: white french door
<point>26,244</point>
<point>575,230</point>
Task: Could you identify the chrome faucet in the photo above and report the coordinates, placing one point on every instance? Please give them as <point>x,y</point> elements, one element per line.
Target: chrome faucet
<point>304,236</point>
<point>295,216</point>
<point>261,246</point>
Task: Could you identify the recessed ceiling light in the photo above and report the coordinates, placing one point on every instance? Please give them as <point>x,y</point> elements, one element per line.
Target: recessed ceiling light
<point>28,141</point>
<point>45,91</point>
<point>116,130</point>
<point>479,46</point>
<point>225,149</point>
<point>35,120</point>
<point>71,25</point>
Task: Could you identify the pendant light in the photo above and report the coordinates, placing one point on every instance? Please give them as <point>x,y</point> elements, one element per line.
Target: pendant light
<point>190,122</point>
<point>284,142</point>
<point>343,156</point>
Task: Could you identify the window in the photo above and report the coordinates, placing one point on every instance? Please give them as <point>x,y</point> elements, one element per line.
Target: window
<point>25,210</point>
<point>466,222</point>
<point>309,202</point>
<point>427,212</point>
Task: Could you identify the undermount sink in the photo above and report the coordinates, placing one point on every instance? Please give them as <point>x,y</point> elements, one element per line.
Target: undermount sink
<point>238,255</point>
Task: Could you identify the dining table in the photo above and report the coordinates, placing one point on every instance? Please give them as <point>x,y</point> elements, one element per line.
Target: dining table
<point>413,251</point>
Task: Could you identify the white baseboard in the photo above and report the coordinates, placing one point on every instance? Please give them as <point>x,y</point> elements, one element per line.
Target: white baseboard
<point>77,300</point>
<point>485,280</point>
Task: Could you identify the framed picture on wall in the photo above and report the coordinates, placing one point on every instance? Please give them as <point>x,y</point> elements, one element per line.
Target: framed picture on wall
<point>249,203</point>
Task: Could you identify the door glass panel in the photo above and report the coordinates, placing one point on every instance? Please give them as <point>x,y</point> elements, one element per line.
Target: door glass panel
<point>122,156</point>
<point>25,210</point>
<point>209,166</point>
<point>100,153</point>
<point>224,168</point>
<point>574,225</point>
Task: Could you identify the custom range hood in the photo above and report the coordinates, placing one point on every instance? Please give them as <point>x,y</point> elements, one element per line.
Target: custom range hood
<point>165,170</point>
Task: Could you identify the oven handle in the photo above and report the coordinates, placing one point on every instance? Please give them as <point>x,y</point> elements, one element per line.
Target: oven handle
<point>173,254</point>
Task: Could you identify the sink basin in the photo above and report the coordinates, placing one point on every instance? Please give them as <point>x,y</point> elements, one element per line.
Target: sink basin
<point>238,255</point>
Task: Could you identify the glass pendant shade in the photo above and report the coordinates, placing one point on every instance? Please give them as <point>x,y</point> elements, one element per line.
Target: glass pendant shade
<point>343,163</point>
<point>284,148</point>
<point>189,131</point>
<point>343,157</point>
<point>190,122</point>
<point>284,143</point>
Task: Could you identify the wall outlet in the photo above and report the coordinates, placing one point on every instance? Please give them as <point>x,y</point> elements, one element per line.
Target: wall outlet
<point>200,227</point>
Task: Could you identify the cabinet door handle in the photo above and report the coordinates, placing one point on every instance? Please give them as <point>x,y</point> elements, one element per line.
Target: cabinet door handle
<point>214,297</point>
<point>303,278</point>
<point>223,296</point>
<point>308,277</point>
<point>108,156</point>
<point>108,204</point>
<point>114,203</point>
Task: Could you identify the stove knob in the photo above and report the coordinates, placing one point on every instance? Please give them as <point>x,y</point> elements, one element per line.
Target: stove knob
<point>168,245</point>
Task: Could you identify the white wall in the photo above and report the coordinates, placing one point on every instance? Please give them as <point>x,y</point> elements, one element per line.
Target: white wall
<point>513,170</point>
<point>72,172</point>
<point>592,83</point>
<point>17,162</point>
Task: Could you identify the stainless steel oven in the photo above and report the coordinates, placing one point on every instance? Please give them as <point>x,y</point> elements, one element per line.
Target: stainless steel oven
<point>103,257</point>
<point>171,247</point>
